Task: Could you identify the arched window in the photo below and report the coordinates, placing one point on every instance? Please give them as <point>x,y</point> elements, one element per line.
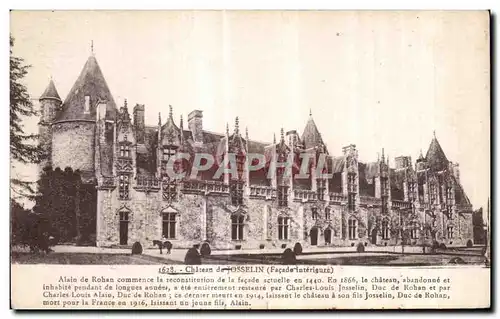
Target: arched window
<point>385,229</point>
<point>353,228</point>
<point>237,226</point>
<point>283,228</point>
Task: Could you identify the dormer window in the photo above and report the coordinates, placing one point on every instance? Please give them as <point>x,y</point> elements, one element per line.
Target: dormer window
<point>168,152</point>
<point>124,150</point>
<point>87,104</point>
<point>351,183</point>
<point>411,191</point>
<point>240,165</point>
<point>351,202</point>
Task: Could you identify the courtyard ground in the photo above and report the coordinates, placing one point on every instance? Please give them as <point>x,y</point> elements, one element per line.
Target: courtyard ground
<point>374,256</point>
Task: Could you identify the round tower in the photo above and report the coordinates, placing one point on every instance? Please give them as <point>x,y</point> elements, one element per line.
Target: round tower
<point>50,104</point>
<point>74,127</point>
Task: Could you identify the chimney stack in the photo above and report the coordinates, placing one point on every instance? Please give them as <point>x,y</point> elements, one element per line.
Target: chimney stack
<point>139,123</point>
<point>195,124</point>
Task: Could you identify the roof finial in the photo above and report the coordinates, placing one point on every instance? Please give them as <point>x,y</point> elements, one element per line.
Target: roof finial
<point>310,112</point>
<point>383,156</point>
<point>181,125</point>
<point>246,133</point>
<point>92,47</point>
<point>125,103</point>
<point>159,118</point>
<point>236,126</point>
<point>227,129</point>
<point>170,112</point>
<point>274,138</point>
<point>434,133</point>
<point>282,135</point>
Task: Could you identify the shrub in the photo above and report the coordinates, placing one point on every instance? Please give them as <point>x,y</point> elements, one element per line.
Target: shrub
<point>283,246</point>
<point>385,244</point>
<point>237,247</point>
<point>366,244</point>
<point>289,257</point>
<point>192,257</point>
<point>360,248</point>
<point>262,246</point>
<point>352,244</point>
<point>469,244</point>
<point>297,249</point>
<point>136,248</point>
<point>205,249</point>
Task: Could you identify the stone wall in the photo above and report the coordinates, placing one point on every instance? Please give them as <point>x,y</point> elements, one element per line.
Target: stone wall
<point>73,145</point>
<point>201,218</point>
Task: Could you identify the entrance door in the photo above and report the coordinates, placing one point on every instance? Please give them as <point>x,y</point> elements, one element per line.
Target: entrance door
<point>328,236</point>
<point>374,236</point>
<point>123,228</point>
<point>314,236</point>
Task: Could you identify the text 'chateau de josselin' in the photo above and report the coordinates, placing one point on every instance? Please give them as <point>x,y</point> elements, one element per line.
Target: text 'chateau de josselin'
<point>124,162</point>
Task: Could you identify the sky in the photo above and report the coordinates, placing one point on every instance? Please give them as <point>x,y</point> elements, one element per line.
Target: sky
<point>374,79</point>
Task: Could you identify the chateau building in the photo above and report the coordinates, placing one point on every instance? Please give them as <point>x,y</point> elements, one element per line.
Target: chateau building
<point>137,200</point>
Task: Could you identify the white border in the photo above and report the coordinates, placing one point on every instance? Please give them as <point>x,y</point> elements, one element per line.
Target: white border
<point>493,5</point>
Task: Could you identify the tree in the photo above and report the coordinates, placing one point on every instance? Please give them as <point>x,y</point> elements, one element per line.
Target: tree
<point>23,146</point>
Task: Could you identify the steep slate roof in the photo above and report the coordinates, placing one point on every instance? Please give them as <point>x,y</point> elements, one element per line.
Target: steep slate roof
<point>366,184</point>
<point>460,196</point>
<point>435,156</point>
<point>311,136</point>
<point>335,164</point>
<point>397,180</point>
<point>50,92</point>
<point>91,82</point>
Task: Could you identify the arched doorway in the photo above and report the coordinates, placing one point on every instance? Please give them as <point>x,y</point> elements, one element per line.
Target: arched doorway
<point>314,236</point>
<point>374,236</point>
<point>328,236</point>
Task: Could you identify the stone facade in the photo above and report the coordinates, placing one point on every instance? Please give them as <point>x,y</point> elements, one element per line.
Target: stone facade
<point>138,201</point>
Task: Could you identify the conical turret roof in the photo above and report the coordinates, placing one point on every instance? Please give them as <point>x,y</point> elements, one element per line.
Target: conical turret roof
<point>311,136</point>
<point>50,92</point>
<point>435,156</point>
<point>90,83</point>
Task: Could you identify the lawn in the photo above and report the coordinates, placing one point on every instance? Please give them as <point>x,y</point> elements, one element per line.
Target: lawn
<point>382,259</point>
<point>85,259</point>
<point>369,259</point>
